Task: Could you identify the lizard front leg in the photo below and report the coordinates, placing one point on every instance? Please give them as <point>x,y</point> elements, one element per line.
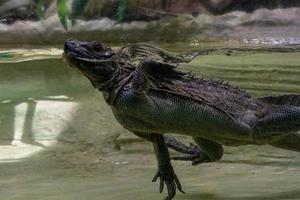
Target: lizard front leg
<point>165,170</point>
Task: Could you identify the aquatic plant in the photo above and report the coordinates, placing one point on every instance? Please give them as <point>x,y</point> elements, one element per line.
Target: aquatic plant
<point>40,8</point>
<point>62,10</point>
<point>122,4</point>
<point>78,6</point>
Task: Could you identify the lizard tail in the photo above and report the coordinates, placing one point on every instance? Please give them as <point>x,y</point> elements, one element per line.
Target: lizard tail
<point>283,100</point>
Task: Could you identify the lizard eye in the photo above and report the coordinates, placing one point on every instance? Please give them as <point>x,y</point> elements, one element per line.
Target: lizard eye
<point>97,47</point>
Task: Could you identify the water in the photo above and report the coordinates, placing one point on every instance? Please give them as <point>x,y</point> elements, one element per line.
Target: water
<point>60,141</point>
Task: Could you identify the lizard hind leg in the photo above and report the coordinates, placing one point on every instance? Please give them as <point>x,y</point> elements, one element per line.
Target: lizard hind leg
<point>212,149</point>
<point>204,151</point>
<point>282,116</point>
<point>280,122</point>
<point>186,153</point>
<point>277,123</point>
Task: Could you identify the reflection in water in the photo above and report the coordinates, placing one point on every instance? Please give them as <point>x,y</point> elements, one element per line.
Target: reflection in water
<point>37,104</point>
<point>20,118</point>
<point>37,124</point>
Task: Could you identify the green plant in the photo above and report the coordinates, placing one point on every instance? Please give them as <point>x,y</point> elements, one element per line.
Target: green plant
<point>122,4</point>
<point>40,8</point>
<point>77,9</point>
<point>62,10</point>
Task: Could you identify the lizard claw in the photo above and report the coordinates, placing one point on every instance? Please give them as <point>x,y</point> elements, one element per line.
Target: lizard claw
<point>168,177</point>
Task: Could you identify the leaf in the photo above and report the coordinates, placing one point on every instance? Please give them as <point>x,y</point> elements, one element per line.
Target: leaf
<point>40,8</point>
<point>77,9</point>
<point>62,11</point>
<point>121,10</point>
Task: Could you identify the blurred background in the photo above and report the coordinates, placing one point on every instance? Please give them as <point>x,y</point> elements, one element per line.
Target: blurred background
<point>51,22</point>
<point>59,139</point>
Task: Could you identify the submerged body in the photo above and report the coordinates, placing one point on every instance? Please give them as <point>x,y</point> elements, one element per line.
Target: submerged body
<point>154,113</point>
<point>150,98</point>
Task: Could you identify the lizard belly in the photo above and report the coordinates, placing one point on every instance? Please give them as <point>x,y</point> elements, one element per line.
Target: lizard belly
<point>176,115</point>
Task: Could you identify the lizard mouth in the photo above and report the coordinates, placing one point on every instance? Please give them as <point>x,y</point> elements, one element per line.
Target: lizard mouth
<point>67,58</point>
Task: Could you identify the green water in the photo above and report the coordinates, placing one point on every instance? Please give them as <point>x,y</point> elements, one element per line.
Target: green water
<point>59,140</point>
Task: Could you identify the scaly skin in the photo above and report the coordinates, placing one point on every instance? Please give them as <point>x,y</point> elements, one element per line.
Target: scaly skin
<point>150,98</point>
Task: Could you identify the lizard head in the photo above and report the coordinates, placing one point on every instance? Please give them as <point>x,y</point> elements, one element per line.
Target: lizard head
<point>94,60</point>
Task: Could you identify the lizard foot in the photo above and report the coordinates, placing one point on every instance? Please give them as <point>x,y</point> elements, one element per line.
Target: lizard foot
<point>168,177</point>
<point>192,153</point>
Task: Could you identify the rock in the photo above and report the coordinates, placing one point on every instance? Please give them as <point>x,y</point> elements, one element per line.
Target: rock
<point>14,10</point>
<point>141,10</point>
<point>224,6</point>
